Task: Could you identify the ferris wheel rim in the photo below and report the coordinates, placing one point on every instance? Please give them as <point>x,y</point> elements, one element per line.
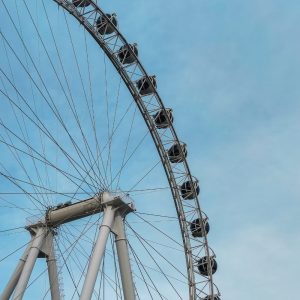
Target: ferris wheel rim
<point>154,131</point>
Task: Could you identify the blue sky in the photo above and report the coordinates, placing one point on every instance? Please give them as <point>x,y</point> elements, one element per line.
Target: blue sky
<point>230,70</point>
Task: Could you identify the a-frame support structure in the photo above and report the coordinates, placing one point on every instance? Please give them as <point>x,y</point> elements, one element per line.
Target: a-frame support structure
<point>114,210</point>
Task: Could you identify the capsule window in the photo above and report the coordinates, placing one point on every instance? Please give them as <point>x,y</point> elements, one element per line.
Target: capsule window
<point>196,228</point>
<point>81,3</point>
<point>104,26</point>
<point>203,265</point>
<point>215,297</point>
<point>144,85</point>
<point>163,118</point>
<point>126,56</point>
<point>177,153</point>
<point>190,190</point>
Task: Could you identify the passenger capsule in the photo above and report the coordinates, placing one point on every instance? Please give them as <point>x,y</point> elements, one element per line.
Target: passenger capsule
<point>177,153</point>
<point>163,118</point>
<point>190,190</point>
<point>104,26</point>
<point>144,85</point>
<point>203,265</point>
<point>126,56</point>
<point>215,297</point>
<point>81,3</point>
<point>196,228</point>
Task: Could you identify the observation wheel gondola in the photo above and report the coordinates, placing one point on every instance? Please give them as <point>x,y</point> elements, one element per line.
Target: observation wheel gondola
<point>50,139</point>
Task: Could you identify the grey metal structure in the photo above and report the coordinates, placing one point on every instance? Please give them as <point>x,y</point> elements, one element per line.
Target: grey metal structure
<point>114,210</point>
<point>200,283</point>
<point>41,245</point>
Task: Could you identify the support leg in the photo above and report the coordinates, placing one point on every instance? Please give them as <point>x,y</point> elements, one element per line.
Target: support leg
<point>52,269</point>
<point>29,264</point>
<point>123,257</point>
<point>95,261</point>
<point>15,276</point>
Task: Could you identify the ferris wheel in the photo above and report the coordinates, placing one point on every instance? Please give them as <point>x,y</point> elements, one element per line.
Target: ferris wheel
<point>97,199</point>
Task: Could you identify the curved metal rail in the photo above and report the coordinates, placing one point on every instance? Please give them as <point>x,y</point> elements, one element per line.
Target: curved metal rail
<point>200,287</point>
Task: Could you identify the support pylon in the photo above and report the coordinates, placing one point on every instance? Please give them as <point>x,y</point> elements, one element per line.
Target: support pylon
<point>11,285</point>
<point>41,246</point>
<point>113,212</point>
<point>123,257</point>
<point>29,264</point>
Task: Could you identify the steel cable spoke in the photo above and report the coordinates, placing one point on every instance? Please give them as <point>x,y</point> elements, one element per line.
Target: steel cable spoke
<point>78,157</point>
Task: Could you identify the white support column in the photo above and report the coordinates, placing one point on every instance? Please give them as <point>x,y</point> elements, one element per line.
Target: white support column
<point>95,261</point>
<point>123,257</point>
<point>52,268</point>
<point>29,264</point>
<point>15,276</point>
